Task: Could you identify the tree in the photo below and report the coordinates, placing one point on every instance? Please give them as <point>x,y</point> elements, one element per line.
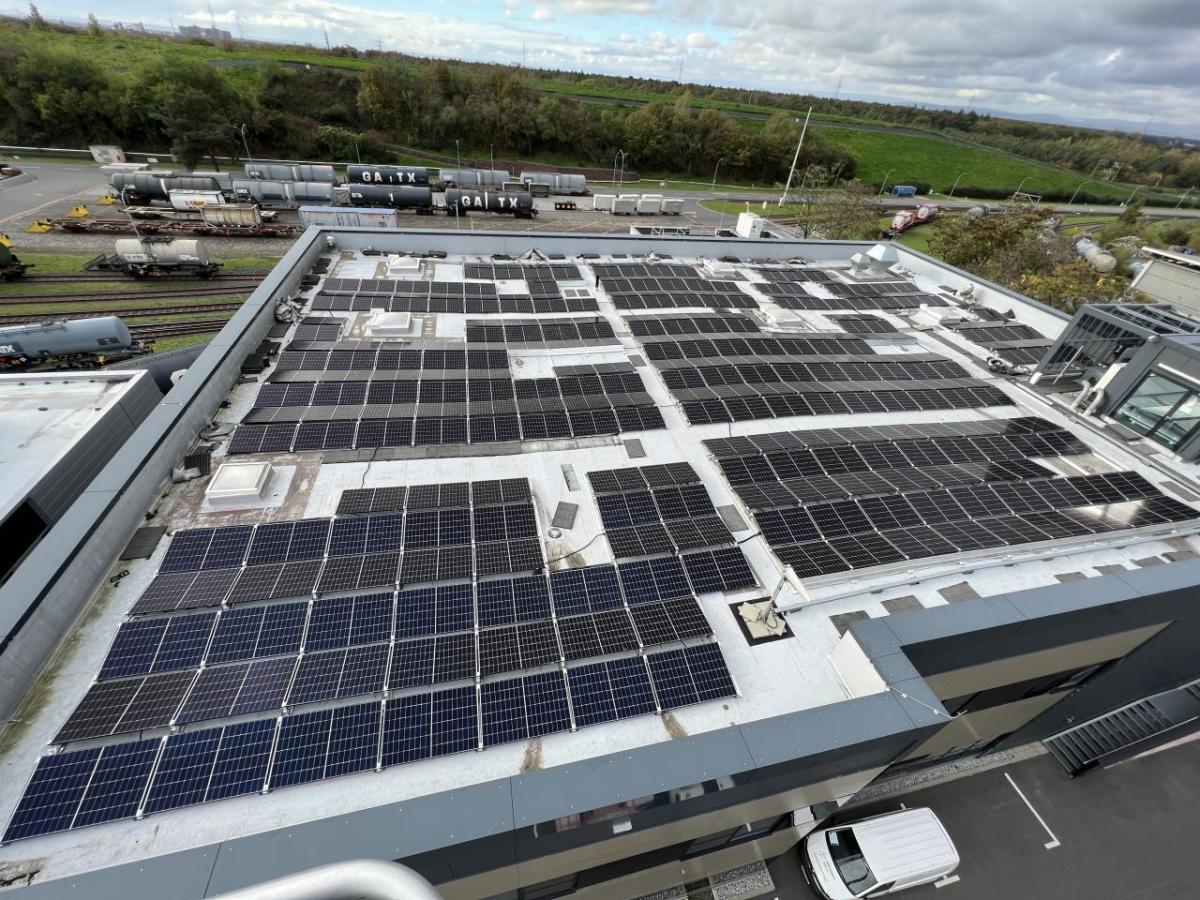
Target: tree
<point>848,214</point>
<point>36,22</point>
<point>1070,285</point>
<point>93,26</point>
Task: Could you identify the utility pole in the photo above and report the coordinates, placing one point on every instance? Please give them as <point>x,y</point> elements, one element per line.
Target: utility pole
<point>796,158</point>
<point>325,31</point>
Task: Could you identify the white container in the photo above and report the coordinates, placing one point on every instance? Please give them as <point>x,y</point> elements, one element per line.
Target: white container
<point>192,200</point>
<point>748,225</point>
<point>603,202</point>
<point>649,205</point>
<point>238,215</point>
<point>672,206</point>
<point>625,205</point>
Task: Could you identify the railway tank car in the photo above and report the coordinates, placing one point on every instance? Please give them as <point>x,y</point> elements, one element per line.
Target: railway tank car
<point>405,197</point>
<point>87,340</point>
<point>460,202</point>
<point>398,175</point>
<point>150,256</point>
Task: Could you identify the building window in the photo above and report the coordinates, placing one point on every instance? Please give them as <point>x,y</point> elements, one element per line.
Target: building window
<point>1161,409</point>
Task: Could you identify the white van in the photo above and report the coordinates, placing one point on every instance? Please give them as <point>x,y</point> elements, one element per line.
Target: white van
<point>878,856</point>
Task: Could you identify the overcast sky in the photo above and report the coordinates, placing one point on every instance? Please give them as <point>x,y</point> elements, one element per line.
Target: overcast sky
<point>1133,60</point>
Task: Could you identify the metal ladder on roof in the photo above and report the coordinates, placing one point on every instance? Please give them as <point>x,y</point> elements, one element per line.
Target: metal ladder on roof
<point>1132,727</point>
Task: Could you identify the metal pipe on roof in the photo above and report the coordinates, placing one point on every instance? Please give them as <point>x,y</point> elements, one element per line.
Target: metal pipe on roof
<point>368,879</point>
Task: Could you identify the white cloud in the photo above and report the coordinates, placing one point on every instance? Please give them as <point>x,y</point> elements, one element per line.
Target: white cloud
<point>542,14</point>
<point>698,40</point>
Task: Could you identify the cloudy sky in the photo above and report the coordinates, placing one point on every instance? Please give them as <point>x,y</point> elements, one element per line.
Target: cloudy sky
<point>1138,62</point>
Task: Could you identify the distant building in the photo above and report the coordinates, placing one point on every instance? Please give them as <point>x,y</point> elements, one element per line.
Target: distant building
<point>209,34</point>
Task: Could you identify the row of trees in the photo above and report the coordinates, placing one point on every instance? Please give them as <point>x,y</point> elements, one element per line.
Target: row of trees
<point>57,97</point>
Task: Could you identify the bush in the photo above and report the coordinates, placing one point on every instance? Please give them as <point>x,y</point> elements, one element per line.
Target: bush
<point>1175,234</point>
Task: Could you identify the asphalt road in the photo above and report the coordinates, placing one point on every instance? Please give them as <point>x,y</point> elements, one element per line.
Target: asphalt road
<point>1123,833</point>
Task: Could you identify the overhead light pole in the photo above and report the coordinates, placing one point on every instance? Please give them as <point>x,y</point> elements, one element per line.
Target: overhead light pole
<point>1077,190</point>
<point>245,145</point>
<point>796,158</point>
<point>883,186</point>
<point>712,189</point>
<point>1185,196</point>
<point>1021,185</point>
<point>1131,196</point>
<point>955,185</point>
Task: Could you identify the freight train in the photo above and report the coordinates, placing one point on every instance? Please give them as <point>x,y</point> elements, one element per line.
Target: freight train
<point>78,343</point>
<point>460,203</point>
<point>156,256</point>
<point>908,218</point>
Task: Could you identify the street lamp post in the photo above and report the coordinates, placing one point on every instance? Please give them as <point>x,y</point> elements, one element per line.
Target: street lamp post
<point>1077,190</point>
<point>712,189</point>
<point>1096,167</point>
<point>492,155</point>
<point>621,154</point>
<point>1131,196</point>
<point>885,180</point>
<point>357,154</point>
<point>245,145</point>
<point>796,158</point>
<point>458,152</point>
<point>1185,196</point>
<point>1021,185</point>
<point>955,185</point>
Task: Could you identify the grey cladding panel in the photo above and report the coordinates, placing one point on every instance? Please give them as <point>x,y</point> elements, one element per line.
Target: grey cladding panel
<point>177,875</point>
<point>604,780</point>
<point>395,831</point>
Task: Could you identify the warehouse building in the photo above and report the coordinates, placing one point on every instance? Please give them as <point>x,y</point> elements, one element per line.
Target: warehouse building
<point>583,565</point>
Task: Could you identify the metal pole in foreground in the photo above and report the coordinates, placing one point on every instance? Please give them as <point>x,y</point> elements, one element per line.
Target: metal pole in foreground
<point>1185,196</point>
<point>883,184</point>
<point>1075,193</point>
<point>245,144</point>
<point>955,185</point>
<point>796,158</point>
<point>712,189</point>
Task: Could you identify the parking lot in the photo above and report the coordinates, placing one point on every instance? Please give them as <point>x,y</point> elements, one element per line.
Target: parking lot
<point>1028,831</point>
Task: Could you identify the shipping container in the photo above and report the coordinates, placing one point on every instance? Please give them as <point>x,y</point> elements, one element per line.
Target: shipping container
<point>649,204</point>
<point>348,217</point>
<point>625,205</point>
<point>672,206</point>
<point>603,202</point>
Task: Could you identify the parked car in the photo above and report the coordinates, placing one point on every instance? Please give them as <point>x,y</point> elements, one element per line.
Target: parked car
<point>878,856</point>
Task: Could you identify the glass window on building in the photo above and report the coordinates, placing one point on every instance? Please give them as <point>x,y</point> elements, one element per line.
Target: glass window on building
<point>1161,409</point>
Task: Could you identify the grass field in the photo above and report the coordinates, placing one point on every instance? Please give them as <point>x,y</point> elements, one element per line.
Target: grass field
<point>908,157</point>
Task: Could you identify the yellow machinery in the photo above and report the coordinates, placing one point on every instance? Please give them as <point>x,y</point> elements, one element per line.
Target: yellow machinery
<point>79,211</point>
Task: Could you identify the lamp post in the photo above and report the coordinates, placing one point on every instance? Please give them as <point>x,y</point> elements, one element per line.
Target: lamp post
<point>245,145</point>
<point>796,158</point>
<point>1021,185</point>
<point>1185,196</point>
<point>712,189</point>
<point>621,154</point>
<point>955,185</point>
<point>458,152</point>
<point>357,155</point>
<point>883,186</point>
<point>1077,190</point>
<point>1131,196</point>
<point>492,155</point>
<point>1096,167</point>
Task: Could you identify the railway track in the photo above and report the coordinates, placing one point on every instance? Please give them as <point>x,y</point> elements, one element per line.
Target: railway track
<point>176,329</point>
<point>128,296</point>
<point>90,278</point>
<point>25,319</point>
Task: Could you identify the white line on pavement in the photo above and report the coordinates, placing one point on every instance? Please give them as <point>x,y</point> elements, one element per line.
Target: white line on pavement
<point>948,880</point>
<point>1053,842</point>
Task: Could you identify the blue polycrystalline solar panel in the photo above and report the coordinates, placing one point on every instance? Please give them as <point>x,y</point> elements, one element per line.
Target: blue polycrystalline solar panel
<point>690,675</point>
<point>207,548</point>
<point>655,579</point>
<point>718,570</point>
<point>455,609</point>
<point>238,689</point>
<point>348,538</point>
<point>242,758</point>
<point>385,533</point>
<point>301,748</point>
<point>591,695</point>
<point>353,739</point>
<point>415,612</point>
<point>412,664</point>
<point>309,539</point>
<point>503,710</point>
<point>270,543</point>
<point>454,657</point>
<point>257,631</point>
<point>407,726</point>
<point>349,621</point>
<point>631,687</point>
<point>184,770</point>
<point>590,589</point>
<point>339,673</point>
<point>546,703</point>
<point>454,727</point>
<point>83,787</point>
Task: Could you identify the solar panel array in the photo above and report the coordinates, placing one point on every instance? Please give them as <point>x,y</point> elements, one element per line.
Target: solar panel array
<point>541,294</point>
<point>1016,343</point>
<point>369,394</point>
<point>790,292</point>
<point>760,376</point>
<point>831,501</point>
<point>319,328</point>
<point>652,512</point>
<point>77,788</point>
<point>863,323</point>
<point>559,332</point>
<point>499,271</point>
<point>663,324</point>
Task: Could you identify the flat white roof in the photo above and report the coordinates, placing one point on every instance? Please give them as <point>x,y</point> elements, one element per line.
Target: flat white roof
<point>43,415</point>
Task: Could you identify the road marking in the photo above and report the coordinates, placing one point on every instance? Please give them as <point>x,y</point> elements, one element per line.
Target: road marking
<point>948,880</point>
<point>33,209</point>
<point>1053,842</point>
